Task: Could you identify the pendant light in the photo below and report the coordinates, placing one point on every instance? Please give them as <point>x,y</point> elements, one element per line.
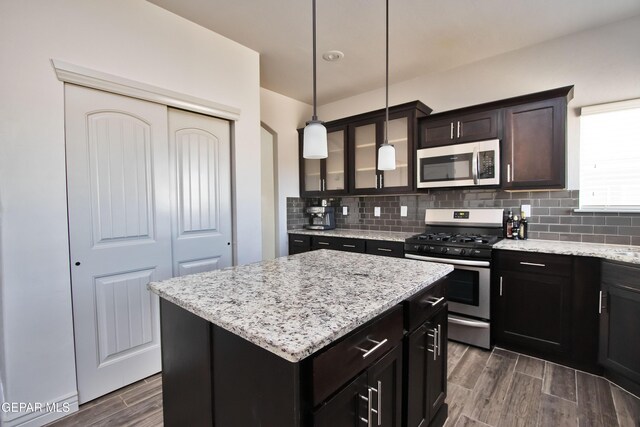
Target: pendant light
<point>387,152</point>
<point>315,134</point>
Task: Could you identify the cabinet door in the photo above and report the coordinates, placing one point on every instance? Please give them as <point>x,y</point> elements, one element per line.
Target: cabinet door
<point>477,126</point>
<point>400,137</point>
<point>619,348</point>
<point>436,132</point>
<point>534,145</point>
<point>364,138</point>
<point>385,380</point>
<point>437,362</point>
<point>533,311</point>
<point>336,162</point>
<point>346,408</point>
<point>417,346</point>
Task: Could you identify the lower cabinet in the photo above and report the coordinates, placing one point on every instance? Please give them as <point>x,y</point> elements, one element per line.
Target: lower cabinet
<point>299,243</point>
<point>619,349</point>
<point>545,305</point>
<point>426,358</point>
<point>374,398</point>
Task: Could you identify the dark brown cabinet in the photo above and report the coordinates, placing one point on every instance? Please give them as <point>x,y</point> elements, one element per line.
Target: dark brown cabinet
<point>325,177</point>
<point>533,150</point>
<point>351,166</point>
<point>373,398</point>
<point>426,359</point>
<point>299,243</point>
<point>544,305</point>
<point>619,350</point>
<point>437,130</point>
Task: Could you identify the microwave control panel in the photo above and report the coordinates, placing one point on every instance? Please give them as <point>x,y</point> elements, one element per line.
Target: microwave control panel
<point>486,164</point>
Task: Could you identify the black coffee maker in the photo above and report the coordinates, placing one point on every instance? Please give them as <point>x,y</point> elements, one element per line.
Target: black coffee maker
<point>321,218</point>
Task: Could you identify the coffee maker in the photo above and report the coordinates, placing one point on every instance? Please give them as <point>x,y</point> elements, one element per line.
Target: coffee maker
<point>322,218</point>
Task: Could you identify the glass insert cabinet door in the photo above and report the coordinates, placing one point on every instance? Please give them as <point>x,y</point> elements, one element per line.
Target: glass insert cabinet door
<point>367,137</point>
<point>334,179</point>
<point>312,178</point>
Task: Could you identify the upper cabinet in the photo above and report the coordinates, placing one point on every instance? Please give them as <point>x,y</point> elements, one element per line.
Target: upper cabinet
<point>438,130</point>
<point>351,167</point>
<point>533,149</point>
<point>327,176</point>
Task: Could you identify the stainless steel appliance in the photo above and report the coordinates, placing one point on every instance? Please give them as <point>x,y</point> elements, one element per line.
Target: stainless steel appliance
<point>321,218</point>
<point>459,165</point>
<point>462,238</point>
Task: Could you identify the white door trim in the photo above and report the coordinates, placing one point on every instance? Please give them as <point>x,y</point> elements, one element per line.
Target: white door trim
<point>71,73</point>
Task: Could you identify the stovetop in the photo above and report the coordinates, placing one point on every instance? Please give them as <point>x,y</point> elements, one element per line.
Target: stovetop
<point>460,245</point>
<point>456,238</point>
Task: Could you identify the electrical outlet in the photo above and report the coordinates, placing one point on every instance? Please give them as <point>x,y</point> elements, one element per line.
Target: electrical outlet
<point>403,211</point>
<point>376,211</point>
<point>345,210</point>
<point>526,209</point>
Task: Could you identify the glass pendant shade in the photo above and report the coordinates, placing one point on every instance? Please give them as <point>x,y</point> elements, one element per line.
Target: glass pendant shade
<point>386,157</point>
<point>315,141</point>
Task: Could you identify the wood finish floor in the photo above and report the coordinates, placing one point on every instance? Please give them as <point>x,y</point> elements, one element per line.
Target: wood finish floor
<point>496,389</point>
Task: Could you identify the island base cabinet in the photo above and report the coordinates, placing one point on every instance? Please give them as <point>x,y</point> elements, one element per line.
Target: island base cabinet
<point>426,387</point>
<point>619,320</point>
<point>373,398</point>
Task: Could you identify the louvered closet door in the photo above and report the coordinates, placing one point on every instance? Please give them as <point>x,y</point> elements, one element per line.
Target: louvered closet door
<point>199,148</point>
<point>120,234</point>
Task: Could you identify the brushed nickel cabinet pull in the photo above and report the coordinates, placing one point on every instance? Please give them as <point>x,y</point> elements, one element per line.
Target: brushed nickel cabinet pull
<point>385,250</point>
<point>451,130</point>
<point>378,344</point>
<point>324,243</point>
<point>533,264</point>
<point>433,301</point>
<point>439,338</point>
<point>600,303</point>
<point>379,411</point>
<point>500,285</point>
<point>298,241</point>
<point>348,246</point>
<point>458,129</point>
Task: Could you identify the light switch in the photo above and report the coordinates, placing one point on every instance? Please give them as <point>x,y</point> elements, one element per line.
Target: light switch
<point>526,209</point>
<point>403,211</point>
<point>345,210</point>
<point>376,211</point>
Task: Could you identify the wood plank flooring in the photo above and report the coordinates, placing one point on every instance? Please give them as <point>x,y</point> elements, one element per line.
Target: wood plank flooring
<point>485,389</point>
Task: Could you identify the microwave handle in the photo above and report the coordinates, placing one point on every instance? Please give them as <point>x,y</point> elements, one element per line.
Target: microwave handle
<point>475,165</point>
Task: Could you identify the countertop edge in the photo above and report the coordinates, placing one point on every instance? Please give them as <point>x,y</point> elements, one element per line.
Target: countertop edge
<point>348,233</point>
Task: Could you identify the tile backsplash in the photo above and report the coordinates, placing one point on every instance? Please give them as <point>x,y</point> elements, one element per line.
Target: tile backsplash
<point>552,213</point>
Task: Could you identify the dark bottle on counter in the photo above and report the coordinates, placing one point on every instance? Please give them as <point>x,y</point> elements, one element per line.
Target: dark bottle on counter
<point>516,227</point>
<point>523,228</point>
<point>509,226</point>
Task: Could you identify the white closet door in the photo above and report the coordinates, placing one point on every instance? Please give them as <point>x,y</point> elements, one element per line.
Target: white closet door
<point>120,234</point>
<point>200,162</point>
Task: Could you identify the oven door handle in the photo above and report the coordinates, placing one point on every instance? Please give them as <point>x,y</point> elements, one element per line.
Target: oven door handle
<point>449,260</point>
<point>471,323</point>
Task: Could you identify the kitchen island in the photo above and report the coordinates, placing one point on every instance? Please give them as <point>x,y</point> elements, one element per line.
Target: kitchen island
<point>272,343</point>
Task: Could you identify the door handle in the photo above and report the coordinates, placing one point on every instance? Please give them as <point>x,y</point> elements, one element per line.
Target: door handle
<point>324,243</point>
<point>385,250</point>
<point>458,129</point>
<point>439,338</point>
<point>508,172</point>
<point>348,246</point>
<point>433,301</point>
<point>500,285</point>
<point>475,165</point>
<point>369,408</point>
<point>532,264</point>
<point>451,130</point>
<point>377,345</point>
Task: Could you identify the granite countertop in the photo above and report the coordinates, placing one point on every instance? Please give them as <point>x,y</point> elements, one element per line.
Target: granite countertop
<point>293,306</point>
<point>622,253</point>
<point>391,236</point>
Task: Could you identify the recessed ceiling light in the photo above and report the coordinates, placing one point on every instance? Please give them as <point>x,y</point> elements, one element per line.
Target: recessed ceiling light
<point>332,55</point>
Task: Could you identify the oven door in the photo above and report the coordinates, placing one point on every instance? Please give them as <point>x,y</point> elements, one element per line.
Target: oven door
<point>460,165</point>
<point>468,291</point>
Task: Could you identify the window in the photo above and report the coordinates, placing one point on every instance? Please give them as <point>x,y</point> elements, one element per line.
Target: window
<point>610,157</point>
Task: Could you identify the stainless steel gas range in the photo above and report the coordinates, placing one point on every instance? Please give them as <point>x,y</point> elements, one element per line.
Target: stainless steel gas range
<point>462,238</point>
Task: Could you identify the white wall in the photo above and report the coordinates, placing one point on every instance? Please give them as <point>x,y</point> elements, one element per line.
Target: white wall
<point>603,64</point>
<point>284,115</point>
<point>128,38</point>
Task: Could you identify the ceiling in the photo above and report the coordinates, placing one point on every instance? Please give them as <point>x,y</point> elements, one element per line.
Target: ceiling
<point>426,36</point>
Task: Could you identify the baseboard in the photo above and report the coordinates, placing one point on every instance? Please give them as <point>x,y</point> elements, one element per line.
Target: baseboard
<point>35,418</point>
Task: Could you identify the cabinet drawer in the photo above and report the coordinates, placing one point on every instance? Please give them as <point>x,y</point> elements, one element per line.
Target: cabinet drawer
<point>338,243</point>
<point>531,262</point>
<point>424,304</point>
<point>299,243</point>
<point>621,274</point>
<point>341,361</point>
<point>385,248</point>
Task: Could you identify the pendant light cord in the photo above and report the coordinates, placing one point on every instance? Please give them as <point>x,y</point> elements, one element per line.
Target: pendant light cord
<point>386,126</point>
<point>315,116</point>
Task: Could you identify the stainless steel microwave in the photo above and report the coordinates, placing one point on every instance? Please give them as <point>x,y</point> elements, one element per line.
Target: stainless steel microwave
<point>460,165</point>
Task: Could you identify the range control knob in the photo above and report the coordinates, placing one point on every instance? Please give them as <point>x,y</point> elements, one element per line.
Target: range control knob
<point>463,251</point>
<point>444,250</point>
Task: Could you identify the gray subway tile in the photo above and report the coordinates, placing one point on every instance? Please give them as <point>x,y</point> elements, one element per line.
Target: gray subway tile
<point>549,220</point>
<point>635,240</point>
<point>538,227</point>
<point>563,194</point>
<point>618,240</point>
<point>593,220</point>
<point>569,203</point>
<point>618,220</point>
<point>549,236</point>
<point>630,231</point>
<point>571,220</point>
<point>570,237</point>
<point>593,238</point>
<point>605,229</point>
<point>560,211</point>
<point>539,195</point>
<point>587,229</point>
<point>539,211</point>
<point>559,228</point>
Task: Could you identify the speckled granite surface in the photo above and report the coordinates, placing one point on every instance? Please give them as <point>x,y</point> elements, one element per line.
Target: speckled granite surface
<point>294,306</point>
<point>392,236</point>
<point>612,252</point>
